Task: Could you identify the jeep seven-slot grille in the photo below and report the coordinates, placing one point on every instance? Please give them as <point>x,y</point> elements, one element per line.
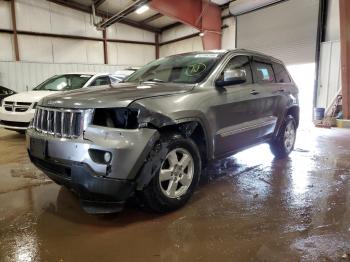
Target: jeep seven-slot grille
<point>59,122</point>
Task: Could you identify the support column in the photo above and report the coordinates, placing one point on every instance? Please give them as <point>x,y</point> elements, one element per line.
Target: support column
<point>157,45</point>
<point>344,6</point>
<point>105,50</point>
<point>14,28</point>
<point>211,26</point>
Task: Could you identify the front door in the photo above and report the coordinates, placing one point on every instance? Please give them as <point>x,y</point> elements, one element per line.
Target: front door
<point>238,111</point>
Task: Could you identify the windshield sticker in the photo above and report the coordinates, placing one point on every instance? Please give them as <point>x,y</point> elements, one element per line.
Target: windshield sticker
<point>195,69</point>
<point>207,55</point>
<point>85,76</point>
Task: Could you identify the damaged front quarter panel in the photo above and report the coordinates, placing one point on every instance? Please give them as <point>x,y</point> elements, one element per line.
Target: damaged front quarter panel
<point>151,119</point>
<point>129,148</point>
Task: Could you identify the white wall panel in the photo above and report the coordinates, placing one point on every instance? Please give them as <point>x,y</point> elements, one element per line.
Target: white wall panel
<point>177,32</point>
<point>18,75</point>
<point>125,32</point>
<point>67,21</point>
<point>130,54</point>
<point>69,51</point>
<point>229,34</point>
<point>148,36</point>
<point>5,15</point>
<point>35,48</point>
<point>127,54</point>
<point>149,54</point>
<point>333,21</point>
<point>112,53</point>
<point>188,45</point>
<point>94,50</point>
<point>6,47</point>
<point>33,15</point>
<point>43,16</point>
<point>329,74</point>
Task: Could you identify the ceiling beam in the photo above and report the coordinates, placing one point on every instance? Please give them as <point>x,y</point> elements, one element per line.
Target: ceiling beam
<point>97,3</point>
<point>151,18</point>
<point>87,9</point>
<point>167,27</point>
<point>122,14</point>
<point>224,6</point>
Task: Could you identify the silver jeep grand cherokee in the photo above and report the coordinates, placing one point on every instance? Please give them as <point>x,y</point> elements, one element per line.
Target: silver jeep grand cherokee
<point>154,133</point>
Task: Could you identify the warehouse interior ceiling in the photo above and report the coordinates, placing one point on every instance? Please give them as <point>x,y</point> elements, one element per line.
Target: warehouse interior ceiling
<point>149,20</point>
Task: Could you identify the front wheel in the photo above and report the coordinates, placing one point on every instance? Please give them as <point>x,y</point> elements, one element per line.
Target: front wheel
<point>175,181</point>
<point>283,144</point>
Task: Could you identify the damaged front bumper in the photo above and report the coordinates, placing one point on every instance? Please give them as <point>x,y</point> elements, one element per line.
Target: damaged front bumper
<point>102,184</point>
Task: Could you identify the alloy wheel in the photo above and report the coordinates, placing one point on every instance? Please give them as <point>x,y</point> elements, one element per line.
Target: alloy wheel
<point>176,173</point>
<point>289,136</point>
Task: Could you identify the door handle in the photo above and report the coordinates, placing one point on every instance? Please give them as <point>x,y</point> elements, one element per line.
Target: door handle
<point>281,90</point>
<point>254,92</point>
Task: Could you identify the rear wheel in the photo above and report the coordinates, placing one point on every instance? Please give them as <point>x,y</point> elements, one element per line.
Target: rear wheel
<point>177,177</point>
<point>283,145</point>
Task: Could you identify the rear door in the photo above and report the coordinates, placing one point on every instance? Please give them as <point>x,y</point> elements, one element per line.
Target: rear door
<point>283,87</point>
<point>265,85</point>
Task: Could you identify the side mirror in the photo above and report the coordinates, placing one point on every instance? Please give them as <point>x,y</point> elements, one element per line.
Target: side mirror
<point>232,77</point>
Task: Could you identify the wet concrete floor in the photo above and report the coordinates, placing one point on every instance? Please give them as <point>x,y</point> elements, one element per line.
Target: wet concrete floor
<point>248,208</point>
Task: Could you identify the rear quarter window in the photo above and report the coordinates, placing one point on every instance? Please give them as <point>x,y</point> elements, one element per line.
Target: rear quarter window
<point>281,73</point>
<point>263,72</point>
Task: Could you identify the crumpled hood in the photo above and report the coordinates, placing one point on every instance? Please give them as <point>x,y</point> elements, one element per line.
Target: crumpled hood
<point>30,96</point>
<point>118,95</point>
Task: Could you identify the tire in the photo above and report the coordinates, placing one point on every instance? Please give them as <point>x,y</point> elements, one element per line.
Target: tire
<point>283,144</point>
<point>177,176</point>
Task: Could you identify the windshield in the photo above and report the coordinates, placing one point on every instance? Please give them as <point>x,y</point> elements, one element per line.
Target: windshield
<point>187,68</point>
<point>64,82</point>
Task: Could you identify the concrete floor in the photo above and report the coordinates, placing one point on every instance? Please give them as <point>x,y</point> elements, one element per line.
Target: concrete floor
<point>247,208</point>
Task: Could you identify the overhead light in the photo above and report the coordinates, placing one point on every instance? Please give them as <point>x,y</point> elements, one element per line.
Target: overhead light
<point>201,34</point>
<point>142,9</point>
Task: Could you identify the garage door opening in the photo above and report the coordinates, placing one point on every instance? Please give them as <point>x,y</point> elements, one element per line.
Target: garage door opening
<point>304,77</point>
<point>287,31</point>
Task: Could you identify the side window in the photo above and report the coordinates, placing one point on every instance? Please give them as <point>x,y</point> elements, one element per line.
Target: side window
<point>263,72</point>
<point>281,73</point>
<point>239,62</point>
<point>3,91</point>
<point>100,81</point>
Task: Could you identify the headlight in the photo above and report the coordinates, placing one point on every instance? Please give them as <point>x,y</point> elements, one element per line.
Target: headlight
<point>116,118</point>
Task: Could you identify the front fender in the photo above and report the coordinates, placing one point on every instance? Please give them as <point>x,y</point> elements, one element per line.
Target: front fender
<point>158,119</point>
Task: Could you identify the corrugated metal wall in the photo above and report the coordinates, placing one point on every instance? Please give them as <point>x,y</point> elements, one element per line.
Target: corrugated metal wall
<point>19,75</point>
<point>42,57</point>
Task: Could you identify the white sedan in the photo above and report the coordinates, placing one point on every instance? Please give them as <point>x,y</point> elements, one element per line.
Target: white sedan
<point>18,110</point>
